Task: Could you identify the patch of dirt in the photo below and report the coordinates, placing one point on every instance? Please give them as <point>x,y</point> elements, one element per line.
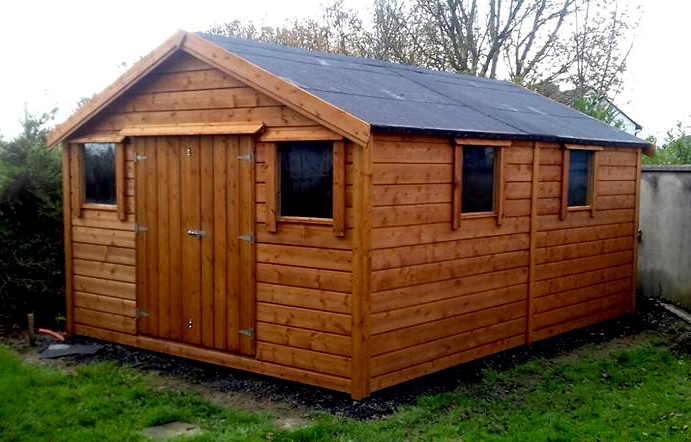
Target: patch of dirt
<point>294,404</point>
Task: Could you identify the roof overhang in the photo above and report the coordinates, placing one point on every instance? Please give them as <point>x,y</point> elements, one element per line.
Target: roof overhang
<point>282,91</point>
<point>648,148</point>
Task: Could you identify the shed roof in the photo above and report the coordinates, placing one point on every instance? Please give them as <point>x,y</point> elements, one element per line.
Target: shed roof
<point>395,97</point>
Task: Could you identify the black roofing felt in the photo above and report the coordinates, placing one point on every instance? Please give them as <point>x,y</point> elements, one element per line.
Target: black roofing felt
<point>394,97</point>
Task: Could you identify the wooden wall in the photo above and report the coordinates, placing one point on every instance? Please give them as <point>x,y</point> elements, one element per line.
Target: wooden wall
<point>103,260</point>
<point>584,264</point>
<point>303,271</point>
<point>441,297</point>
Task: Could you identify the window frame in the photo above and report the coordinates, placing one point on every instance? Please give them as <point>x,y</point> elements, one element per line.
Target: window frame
<point>272,165</point>
<point>79,182</point>
<point>499,180</point>
<point>592,180</point>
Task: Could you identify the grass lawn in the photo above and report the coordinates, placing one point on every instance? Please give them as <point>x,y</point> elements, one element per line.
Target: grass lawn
<point>632,389</point>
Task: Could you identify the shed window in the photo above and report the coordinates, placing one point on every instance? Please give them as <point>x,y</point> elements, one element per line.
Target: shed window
<point>478,179</point>
<point>306,179</point>
<point>99,173</point>
<point>580,171</point>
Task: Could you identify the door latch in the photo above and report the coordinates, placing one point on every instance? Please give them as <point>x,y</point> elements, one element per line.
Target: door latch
<point>195,233</point>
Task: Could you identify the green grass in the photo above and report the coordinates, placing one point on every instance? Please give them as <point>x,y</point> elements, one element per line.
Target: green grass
<point>640,392</point>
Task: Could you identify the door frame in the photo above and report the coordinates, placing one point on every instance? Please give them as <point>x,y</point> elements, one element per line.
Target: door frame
<point>240,158</point>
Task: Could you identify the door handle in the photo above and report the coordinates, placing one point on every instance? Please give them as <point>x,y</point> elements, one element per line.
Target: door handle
<point>195,233</point>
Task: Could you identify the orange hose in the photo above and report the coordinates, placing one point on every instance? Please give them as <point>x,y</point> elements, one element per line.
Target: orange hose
<point>56,335</point>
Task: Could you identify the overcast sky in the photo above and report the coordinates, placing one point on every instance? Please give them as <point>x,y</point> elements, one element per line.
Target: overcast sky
<point>56,51</point>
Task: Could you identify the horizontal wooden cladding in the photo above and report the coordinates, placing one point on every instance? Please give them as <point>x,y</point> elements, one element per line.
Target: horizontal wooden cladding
<point>304,318</point>
<point>116,238</point>
<point>305,339</point>
<point>305,257</point>
<point>581,265</point>
<point>431,173</point>
<point>103,219</point>
<point>105,320</point>
<point>443,251</point>
<point>236,97</point>
<point>304,277</point>
<point>597,315</point>
<point>219,357</point>
<point>403,194</point>
<point>385,216</point>
<point>583,234</point>
<point>417,295</point>
<point>306,235</point>
<point>609,202</point>
<point>185,81</point>
<point>616,173</point>
<point>584,294</point>
<point>583,249</point>
<point>305,359</point>
<point>443,270</point>
<point>440,363</point>
<point>618,157</point>
<point>384,237</point>
<point>445,308</point>
<point>616,188</point>
<point>100,286</point>
<point>116,272</point>
<point>575,311</point>
<point>106,304</point>
<point>417,153</point>
<point>301,297</point>
<point>270,115</point>
<point>552,206</point>
<point>441,328</point>
<point>181,62</point>
<point>585,279</point>
<point>584,218</point>
<point>403,173</point>
<point>434,350</point>
<point>110,254</point>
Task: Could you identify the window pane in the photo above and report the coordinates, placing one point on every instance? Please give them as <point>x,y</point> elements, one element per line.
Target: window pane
<point>99,173</point>
<point>579,177</point>
<point>306,179</point>
<point>478,179</point>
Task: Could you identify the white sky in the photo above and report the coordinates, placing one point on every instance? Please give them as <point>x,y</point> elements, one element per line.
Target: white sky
<point>55,51</point>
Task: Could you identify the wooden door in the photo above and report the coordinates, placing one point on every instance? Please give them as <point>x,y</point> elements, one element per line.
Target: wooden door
<point>195,255</point>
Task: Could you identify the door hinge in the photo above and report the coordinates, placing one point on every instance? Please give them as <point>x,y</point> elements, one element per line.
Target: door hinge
<point>249,332</point>
<point>139,157</point>
<point>246,157</point>
<point>249,238</point>
<point>142,314</point>
<point>138,228</point>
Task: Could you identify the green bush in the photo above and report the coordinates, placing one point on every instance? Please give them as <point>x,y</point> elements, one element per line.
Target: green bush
<point>31,233</point>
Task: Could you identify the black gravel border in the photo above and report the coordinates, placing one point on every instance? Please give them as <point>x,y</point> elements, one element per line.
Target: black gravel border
<point>649,316</point>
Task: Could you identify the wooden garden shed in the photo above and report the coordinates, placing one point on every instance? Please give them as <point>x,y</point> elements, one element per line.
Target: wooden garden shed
<point>338,221</point>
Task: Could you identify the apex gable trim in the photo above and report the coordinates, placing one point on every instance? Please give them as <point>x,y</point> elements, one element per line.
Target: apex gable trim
<point>292,96</point>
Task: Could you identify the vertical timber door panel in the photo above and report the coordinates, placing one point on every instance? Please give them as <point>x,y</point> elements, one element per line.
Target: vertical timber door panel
<point>196,288</point>
<point>233,263</point>
<point>152,237</point>
<point>163,233</point>
<point>191,246</point>
<point>246,255</point>
<point>175,237</point>
<point>207,243</point>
